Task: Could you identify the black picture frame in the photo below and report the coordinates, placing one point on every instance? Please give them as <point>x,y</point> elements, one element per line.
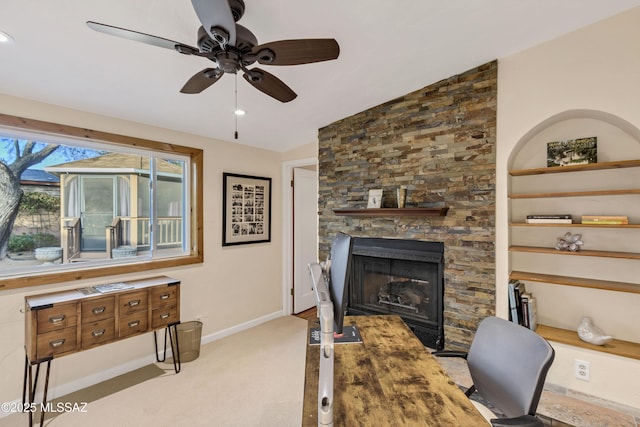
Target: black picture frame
<point>246,209</point>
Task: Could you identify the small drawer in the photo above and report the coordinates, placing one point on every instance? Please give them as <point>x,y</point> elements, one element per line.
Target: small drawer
<point>98,332</point>
<point>132,302</point>
<point>57,317</point>
<point>133,324</point>
<point>162,296</point>
<point>98,309</point>
<point>56,342</point>
<point>161,317</point>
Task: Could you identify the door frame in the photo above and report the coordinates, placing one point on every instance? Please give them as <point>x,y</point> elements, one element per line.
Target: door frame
<point>287,229</point>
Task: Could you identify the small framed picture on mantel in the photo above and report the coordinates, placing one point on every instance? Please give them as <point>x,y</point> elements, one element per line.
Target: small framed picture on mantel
<point>375,198</point>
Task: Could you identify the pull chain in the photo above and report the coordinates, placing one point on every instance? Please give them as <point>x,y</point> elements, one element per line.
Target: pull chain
<point>235,111</point>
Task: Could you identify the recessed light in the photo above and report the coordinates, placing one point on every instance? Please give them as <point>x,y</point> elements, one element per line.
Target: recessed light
<point>5,38</point>
<point>240,112</point>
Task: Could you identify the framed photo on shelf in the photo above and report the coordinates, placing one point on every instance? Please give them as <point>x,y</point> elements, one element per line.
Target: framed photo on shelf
<point>246,209</point>
<point>571,152</point>
<point>375,198</point>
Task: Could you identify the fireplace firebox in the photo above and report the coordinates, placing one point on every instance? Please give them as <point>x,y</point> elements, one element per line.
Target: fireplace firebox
<point>403,277</point>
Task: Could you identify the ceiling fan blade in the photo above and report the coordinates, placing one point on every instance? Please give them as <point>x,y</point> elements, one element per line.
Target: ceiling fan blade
<point>294,52</point>
<point>217,20</point>
<point>202,80</point>
<point>270,84</point>
<point>136,36</point>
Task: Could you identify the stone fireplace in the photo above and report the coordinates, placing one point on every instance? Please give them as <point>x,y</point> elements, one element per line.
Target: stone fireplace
<point>440,143</point>
<point>403,277</point>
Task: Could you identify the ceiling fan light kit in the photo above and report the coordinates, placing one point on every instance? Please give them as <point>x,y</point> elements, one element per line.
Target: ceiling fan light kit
<point>233,48</point>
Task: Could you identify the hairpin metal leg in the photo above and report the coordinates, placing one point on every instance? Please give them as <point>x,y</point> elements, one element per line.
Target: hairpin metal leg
<point>175,350</point>
<point>24,380</point>
<point>33,385</point>
<point>44,397</point>
<point>164,352</point>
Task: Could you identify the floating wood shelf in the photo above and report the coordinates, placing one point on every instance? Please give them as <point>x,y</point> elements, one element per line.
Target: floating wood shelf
<point>555,224</point>
<point>576,168</point>
<point>564,336</point>
<point>581,282</point>
<point>392,212</point>
<point>602,254</point>
<point>575,194</point>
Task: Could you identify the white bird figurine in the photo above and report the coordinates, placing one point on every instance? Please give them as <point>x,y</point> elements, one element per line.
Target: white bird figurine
<point>590,333</point>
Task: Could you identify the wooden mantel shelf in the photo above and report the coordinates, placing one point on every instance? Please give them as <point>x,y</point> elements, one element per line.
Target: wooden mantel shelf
<point>392,212</point>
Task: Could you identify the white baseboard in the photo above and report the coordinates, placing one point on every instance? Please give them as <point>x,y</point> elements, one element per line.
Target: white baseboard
<point>239,328</point>
<point>98,377</point>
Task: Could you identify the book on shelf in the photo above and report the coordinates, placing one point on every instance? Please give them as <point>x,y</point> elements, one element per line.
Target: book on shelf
<point>605,219</point>
<point>515,290</point>
<point>571,152</point>
<point>524,301</point>
<point>522,305</point>
<point>533,315</point>
<point>549,219</point>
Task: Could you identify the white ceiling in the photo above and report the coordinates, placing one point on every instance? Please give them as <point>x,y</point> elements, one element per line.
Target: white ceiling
<point>388,48</point>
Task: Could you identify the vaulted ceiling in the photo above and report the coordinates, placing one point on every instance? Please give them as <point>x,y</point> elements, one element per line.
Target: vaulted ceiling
<point>387,49</point>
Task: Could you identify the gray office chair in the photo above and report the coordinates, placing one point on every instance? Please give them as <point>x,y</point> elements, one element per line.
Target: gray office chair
<point>508,364</point>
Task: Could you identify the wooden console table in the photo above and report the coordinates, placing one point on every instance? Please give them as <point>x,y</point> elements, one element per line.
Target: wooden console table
<point>62,323</point>
<point>389,379</point>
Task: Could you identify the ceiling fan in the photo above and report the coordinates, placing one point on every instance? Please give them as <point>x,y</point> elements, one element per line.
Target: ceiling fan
<point>233,48</point>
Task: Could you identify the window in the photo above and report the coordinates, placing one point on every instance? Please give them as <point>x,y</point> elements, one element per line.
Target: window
<point>81,203</point>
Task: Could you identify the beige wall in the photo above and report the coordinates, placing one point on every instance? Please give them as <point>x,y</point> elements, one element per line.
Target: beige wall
<point>234,288</point>
<point>595,68</point>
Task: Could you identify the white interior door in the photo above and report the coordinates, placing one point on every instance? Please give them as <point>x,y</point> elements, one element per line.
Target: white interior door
<point>305,236</point>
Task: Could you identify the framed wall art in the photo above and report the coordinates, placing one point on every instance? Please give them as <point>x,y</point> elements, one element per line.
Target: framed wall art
<point>246,214</point>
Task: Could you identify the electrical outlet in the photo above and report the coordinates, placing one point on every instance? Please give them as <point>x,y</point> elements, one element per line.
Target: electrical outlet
<point>581,369</point>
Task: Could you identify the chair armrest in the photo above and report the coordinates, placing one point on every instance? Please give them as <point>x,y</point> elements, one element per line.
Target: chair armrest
<point>521,421</point>
<point>445,353</point>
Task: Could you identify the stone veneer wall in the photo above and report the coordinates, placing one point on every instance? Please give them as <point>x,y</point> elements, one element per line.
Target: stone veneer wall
<point>439,142</point>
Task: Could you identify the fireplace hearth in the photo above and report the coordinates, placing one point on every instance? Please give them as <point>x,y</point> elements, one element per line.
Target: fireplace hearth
<point>403,277</point>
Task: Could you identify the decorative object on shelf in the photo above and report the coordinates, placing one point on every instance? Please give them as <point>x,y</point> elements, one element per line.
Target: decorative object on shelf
<point>401,195</point>
<point>570,152</point>
<point>588,332</point>
<point>375,198</point>
<point>569,242</point>
<point>246,211</point>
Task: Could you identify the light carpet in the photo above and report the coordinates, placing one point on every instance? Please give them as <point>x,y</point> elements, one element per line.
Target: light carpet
<point>252,378</point>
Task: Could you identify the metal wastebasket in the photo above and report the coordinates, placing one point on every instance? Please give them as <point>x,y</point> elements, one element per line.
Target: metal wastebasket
<point>189,335</point>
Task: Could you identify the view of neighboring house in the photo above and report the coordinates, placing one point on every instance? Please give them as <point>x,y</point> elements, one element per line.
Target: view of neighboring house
<point>105,204</point>
<point>102,206</point>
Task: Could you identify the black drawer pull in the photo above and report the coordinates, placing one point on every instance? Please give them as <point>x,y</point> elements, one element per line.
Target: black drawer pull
<point>134,323</point>
<point>134,303</point>
<point>99,310</point>
<point>57,319</point>
<point>98,333</point>
<point>57,343</point>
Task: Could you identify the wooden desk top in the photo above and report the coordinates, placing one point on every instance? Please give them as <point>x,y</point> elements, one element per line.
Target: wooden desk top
<point>388,380</point>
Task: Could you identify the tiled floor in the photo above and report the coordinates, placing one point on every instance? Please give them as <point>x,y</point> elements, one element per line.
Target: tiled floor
<point>559,407</point>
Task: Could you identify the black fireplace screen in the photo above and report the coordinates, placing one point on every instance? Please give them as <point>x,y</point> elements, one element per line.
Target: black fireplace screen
<point>404,277</point>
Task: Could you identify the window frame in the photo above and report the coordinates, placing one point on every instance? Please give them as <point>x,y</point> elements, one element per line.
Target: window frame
<point>195,155</point>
